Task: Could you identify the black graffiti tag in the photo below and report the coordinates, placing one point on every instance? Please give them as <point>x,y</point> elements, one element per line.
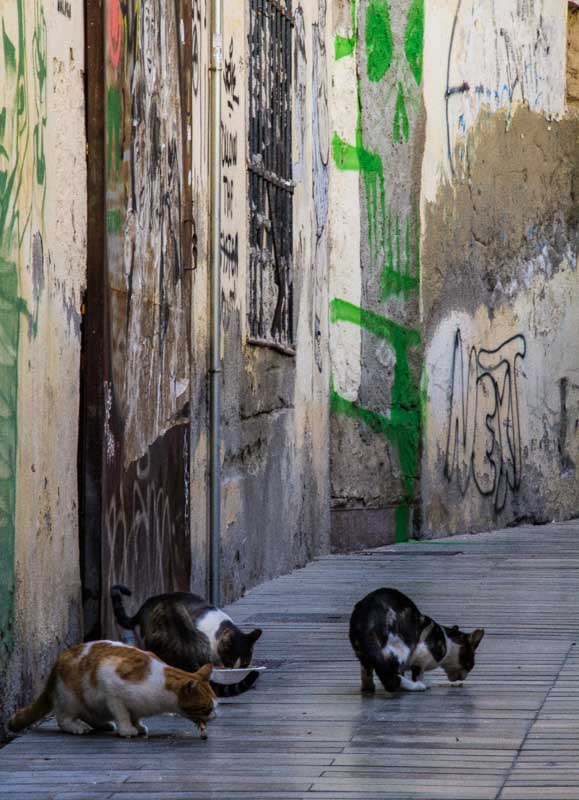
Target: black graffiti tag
<point>230,79</point>
<point>484,430</point>
<point>199,16</point>
<point>228,147</point>
<point>230,254</point>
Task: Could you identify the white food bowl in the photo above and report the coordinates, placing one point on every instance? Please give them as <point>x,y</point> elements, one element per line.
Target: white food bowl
<point>228,676</point>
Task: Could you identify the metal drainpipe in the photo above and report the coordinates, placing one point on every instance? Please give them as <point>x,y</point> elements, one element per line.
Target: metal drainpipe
<point>216,69</point>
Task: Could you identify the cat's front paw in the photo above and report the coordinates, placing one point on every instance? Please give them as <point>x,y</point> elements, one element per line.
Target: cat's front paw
<point>142,729</point>
<point>75,726</point>
<point>127,731</point>
<point>412,686</point>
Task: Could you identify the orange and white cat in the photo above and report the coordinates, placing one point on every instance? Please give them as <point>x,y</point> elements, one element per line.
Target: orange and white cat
<point>93,685</point>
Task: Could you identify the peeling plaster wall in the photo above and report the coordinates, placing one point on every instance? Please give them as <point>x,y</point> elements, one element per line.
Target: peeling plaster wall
<point>199,345</point>
<point>42,265</point>
<point>147,298</point>
<point>377,122</point>
<point>275,406</point>
<point>500,293</point>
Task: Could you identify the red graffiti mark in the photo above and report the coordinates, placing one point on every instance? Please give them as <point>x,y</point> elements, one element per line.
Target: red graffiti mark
<point>115,30</point>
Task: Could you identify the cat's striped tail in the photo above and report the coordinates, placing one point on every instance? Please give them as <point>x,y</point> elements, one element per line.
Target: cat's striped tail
<point>37,710</point>
<point>232,689</point>
<point>118,609</point>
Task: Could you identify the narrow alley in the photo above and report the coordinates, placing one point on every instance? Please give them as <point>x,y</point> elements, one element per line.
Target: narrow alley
<point>509,733</point>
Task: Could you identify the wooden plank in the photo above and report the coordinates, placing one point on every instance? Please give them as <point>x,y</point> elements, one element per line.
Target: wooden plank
<point>510,732</point>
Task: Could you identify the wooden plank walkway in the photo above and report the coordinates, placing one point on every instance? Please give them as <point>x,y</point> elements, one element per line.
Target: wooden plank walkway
<point>510,733</point>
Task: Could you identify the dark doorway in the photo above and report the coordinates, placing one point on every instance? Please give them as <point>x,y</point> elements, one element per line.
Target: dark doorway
<point>134,446</point>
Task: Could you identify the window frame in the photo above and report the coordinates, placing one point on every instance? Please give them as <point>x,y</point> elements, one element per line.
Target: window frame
<point>270,314</point>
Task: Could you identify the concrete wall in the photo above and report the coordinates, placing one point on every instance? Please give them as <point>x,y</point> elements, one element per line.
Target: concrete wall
<point>275,406</point>
<point>42,263</point>
<point>500,293</point>
<point>377,122</point>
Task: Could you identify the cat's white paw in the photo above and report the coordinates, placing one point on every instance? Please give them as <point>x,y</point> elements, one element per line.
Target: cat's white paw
<point>202,730</point>
<point>127,731</point>
<point>75,726</point>
<point>412,686</point>
<point>142,729</point>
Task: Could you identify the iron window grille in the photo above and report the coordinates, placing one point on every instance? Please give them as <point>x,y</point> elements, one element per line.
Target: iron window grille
<point>270,301</point>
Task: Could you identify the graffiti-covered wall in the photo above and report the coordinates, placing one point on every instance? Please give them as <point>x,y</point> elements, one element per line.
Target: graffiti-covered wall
<point>42,252</point>
<point>149,64</point>
<point>377,123</point>
<point>499,266</point>
<point>275,397</point>
<point>453,254</point>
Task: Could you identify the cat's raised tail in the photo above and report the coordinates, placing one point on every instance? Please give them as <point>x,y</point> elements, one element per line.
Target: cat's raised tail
<point>121,617</point>
<point>35,711</point>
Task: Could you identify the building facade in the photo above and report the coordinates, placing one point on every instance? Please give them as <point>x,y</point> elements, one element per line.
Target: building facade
<point>399,295</point>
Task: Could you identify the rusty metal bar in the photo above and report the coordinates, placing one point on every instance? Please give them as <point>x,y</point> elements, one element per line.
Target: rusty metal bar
<point>270,176</point>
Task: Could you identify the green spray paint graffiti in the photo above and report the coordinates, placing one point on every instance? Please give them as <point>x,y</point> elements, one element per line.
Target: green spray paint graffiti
<point>379,41</point>
<point>414,39</point>
<point>402,427</point>
<point>114,118</point>
<point>393,232</point>
<point>346,46</point>
<point>393,236</point>
<point>22,189</point>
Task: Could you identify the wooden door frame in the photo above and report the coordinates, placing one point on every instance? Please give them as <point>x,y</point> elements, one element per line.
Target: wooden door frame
<point>91,417</point>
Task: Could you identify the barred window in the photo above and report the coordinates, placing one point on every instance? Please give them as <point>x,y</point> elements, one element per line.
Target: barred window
<point>270,291</point>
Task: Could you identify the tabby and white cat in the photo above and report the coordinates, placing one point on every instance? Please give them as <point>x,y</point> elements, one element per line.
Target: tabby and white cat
<point>93,685</point>
<point>187,632</point>
<point>390,636</point>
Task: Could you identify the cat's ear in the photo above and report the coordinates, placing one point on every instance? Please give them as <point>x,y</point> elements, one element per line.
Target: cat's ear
<point>476,637</point>
<point>254,634</point>
<point>189,689</point>
<point>204,673</point>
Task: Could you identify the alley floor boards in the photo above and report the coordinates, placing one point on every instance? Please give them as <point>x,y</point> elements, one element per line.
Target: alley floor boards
<point>511,732</point>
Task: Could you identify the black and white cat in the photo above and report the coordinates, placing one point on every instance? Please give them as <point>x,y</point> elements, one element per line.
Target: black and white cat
<point>186,632</point>
<point>390,637</point>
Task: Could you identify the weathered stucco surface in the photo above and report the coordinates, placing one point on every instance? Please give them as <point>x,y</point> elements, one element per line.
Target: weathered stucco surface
<point>42,263</point>
<point>275,406</point>
<point>500,292</point>
<point>377,141</point>
<point>199,329</point>
<point>435,294</point>
<point>147,299</point>
<point>573,56</point>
